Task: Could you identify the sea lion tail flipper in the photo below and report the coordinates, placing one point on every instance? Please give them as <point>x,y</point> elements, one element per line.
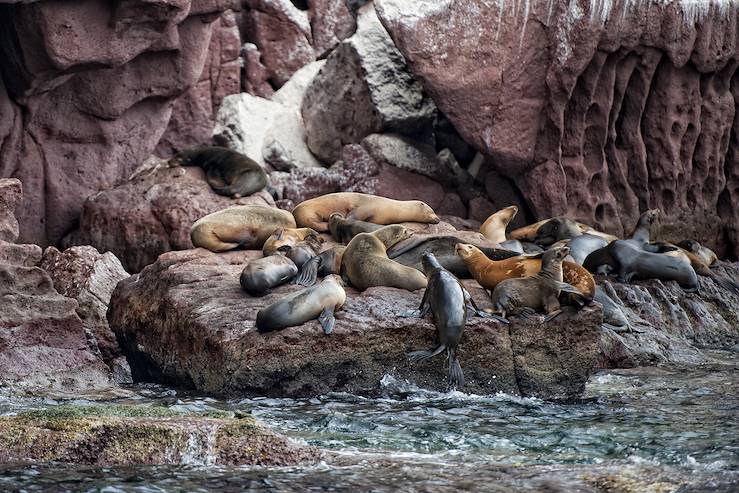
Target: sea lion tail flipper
<point>725,282</point>
<point>416,356</point>
<point>552,316</point>
<point>456,375</point>
<point>327,320</point>
<point>308,272</point>
<point>569,288</point>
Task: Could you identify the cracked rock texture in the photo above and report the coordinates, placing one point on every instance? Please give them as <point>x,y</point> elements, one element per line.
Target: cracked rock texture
<point>598,110</point>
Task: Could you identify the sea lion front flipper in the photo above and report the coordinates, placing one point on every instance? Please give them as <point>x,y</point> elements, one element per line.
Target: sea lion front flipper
<point>327,320</point>
<point>309,272</point>
<point>423,308</point>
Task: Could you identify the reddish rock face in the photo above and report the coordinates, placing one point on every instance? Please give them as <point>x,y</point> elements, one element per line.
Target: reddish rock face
<point>86,94</point>
<point>596,110</point>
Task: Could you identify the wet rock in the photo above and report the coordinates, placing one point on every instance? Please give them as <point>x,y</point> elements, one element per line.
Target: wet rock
<point>130,435</point>
<point>86,275</point>
<point>368,74</point>
<point>150,214</point>
<point>207,339</point>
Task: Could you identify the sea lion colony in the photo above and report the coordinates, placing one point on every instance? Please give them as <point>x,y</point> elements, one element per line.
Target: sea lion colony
<point>561,257</point>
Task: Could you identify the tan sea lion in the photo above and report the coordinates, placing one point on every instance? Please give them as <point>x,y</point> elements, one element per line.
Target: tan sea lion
<point>539,292</point>
<point>494,226</point>
<point>227,172</point>
<point>246,226</point>
<point>319,301</point>
<point>314,213</point>
<point>366,264</point>
<point>554,229</point>
<point>284,237</point>
<point>704,254</point>
<point>489,273</point>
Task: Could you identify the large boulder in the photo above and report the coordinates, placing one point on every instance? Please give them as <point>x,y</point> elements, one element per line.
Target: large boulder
<point>11,196</point>
<point>597,110</point>
<point>86,94</point>
<point>151,213</point>
<point>186,320</point>
<point>364,88</point>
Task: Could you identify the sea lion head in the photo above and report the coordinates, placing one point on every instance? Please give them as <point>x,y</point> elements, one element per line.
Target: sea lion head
<point>334,278</point>
<point>335,216</point>
<point>429,263</point>
<point>555,255</point>
<point>507,214</point>
<point>426,212</point>
<point>465,250</point>
<point>649,218</point>
<point>557,228</point>
<point>690,245</point>
<point>182,158</point>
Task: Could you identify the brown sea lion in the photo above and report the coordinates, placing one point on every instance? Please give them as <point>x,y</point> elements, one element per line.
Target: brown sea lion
<point>314,213</point>
<point>554,229</point>
<point>262,274</point>
<point>284,237</point>
<point>539,292</point>
<point>704,254</point>
<point>227,172</point>
<point>489,273</point>
<point>246,226</point>
<point>319,301</point>
<point>366,264</point>
<point>343,229</point>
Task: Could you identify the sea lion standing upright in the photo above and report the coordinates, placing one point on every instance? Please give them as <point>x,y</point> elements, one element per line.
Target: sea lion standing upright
<point>320,301</point>
<point>449,302</point>
<point>535,293</point>
<point>366,264</point>
<point>246,226</point>
<point>227,172</point>
<point>314,213</point>
<point>494,226</point>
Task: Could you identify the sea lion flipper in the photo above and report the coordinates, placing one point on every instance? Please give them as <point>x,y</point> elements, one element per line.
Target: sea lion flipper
<point>569,288</point>
<point>552,316</point>
<point>327,320</point>
<point>416,356</point>
<point>455,376</point>
<point>725,283</point>
<point>309,272</point>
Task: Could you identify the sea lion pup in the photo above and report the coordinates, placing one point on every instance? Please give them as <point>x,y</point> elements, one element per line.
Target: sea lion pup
<point>263,274</point>
<point>305,250</point>
<point>343,229</point>
<point>366,264</point>
<point>227,172</point>
<point>448,302</point>
<point>246,226</point>
<point>314,213</point>
<point>325,263</point>
<point>489,273</point>
<point>539,292</point>
<point>285,237</point>
<point>319,301</point>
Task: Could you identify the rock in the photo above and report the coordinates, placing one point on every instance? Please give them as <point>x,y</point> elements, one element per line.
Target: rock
<point>150,214</point>
<point>331,21</point>
<point>207,339</point>
<point>368,74</point>
<point>255,78</point>
<point>291,93</point>
<point>11,195</point>
<point>284,147</point>
<point>88,276</point>
<point>133,435</point>
<point>89,96</point>
<point>406,154</point>
<point>596,110</point>
<point>282,33</point>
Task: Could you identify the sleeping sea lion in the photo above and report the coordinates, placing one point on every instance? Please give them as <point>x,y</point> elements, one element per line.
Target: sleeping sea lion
<point>325,263</point>
<point>314,213</point>
<point>705,254</point>
<point>263,274</point>
<point>246,226</point>
<point>227,172</point>
<point>560,228</point>
<point>343,229</point>
<point>285,237</point>
<point>303,251</point>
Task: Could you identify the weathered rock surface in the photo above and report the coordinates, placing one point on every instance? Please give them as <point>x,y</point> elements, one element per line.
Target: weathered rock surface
<point>86,275</point>
<point>86,94</point>
<point>207,339</point>
<point>127,435</point>
<point>597,110</point>
<point>150,214</point>
<point>369,76</point>
<point>11,196</point>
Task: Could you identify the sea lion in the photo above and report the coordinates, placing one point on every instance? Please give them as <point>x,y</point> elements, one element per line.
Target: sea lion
<point>325,263</point>
<point>560,228</point>
<point>489,273</point>
<point>583,245</point>
<point>246,226</point>
<point>314,213</point>
<point>642,234</point>
<point>366,263</point>
<point>285,237</point>
<point>305,250</point>
<point>697,263</point>
<point>263,274</point>
<point>227,172</point>
<point>343,229</point>
<point>494,226</point>
<point>448,302</point>
<point>319,301</point>
<point>535,293</point>
<point>705,254</point>
<point>613,316</point>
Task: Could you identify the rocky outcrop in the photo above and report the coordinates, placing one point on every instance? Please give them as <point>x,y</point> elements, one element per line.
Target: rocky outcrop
<point>130,435</point>
<point>185,320</point>
<point>597,110</point>
<point>151,213</point>
<point>11,196</point>
<point>86,93</point>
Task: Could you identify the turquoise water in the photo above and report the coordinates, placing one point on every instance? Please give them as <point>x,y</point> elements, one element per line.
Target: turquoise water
<point>679,424</point>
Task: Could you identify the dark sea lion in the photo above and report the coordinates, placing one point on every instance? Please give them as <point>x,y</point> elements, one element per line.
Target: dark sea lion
<point>246,226</point>
<point>285,237</point>
<point>489,273</point>
<point>613,316</point>
<point>228,172</point>
<point>325,263</point>
<point>314,213</point>
<point>556,229</point>
<point>539,292</point>
<point>583,245</point>
<point>343,229</point>
<point>366,264</point>
<point>303,251</point>
<point>319,301</point>
<point>449,303</point>
<point>263,274</point>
